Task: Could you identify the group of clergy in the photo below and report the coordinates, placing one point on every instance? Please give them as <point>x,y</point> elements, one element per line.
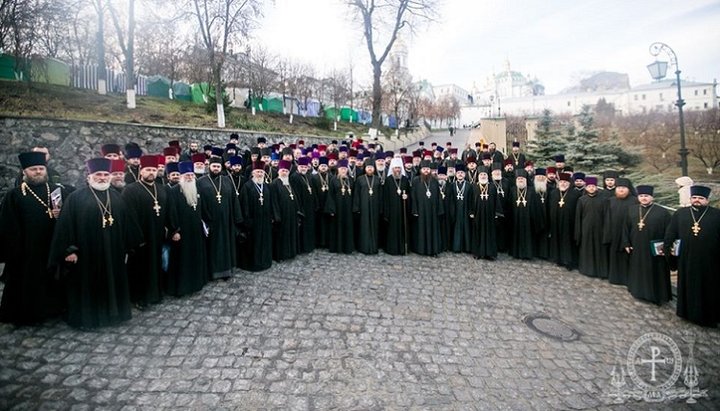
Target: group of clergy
<point>147,225</point>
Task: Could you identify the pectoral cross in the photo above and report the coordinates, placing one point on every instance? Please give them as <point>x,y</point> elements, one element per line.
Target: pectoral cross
<point>110,220</point>
<point>460,197</point>
<point>49,213</point>
<point>428,194</point>
<point>157,208</point>
<point>562,202</point>
<point>484,196</point>
<point>521,201</point>
<point>342,190</point>
<point>219,197</point>
<point>542,200</point>
<point>399,192</point>
<point>261,199</point>
<point>696,229</point>
<point>292,196</point>
<point>641,225</point>
<point>370,191</point>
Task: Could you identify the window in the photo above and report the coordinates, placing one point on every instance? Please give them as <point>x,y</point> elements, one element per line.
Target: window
<point>705,105</point>
<point>643,96</point>
<point>704,92</point>
<point>661,97</point>
<point>636,97</point>
<point>696,92</point>
<point>568,104</point>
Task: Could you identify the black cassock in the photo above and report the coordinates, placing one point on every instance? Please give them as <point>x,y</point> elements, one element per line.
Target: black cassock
<point>257,253</point>
<point>428,208</point>
<point>367,198</point>
<point>526,220</point>
<point>307,200</point>
<point>698,279</point>
<point>321,186</point>
<point>97,285</point>
<point>648,275</point>
<point>487,208</point>
<point>592,253</point>
<point>460,202</point>
<point>285,233</point>
<point>563,250</point>
<point>396,212</point>
<point>542,240</point>
<point>503,234</point>
<point>237,181</point>
<point>187,271</point>
<point>338,208</point>
<point>445,229</point>
<point>145,265</point>
<point>615,213</point>
<point>222,218</point>
<point>31,291</point>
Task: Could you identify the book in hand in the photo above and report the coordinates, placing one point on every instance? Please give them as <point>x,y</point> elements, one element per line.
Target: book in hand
<point>656,248</point>
<point>56,198</point>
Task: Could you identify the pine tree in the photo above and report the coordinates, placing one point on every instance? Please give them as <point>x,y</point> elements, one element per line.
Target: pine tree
<point>548,141</point>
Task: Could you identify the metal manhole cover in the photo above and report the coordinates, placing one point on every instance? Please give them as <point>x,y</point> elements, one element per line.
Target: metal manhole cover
<point>543,324</point>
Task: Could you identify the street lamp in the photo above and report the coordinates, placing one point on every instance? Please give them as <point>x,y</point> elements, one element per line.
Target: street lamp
<point>658,70</point>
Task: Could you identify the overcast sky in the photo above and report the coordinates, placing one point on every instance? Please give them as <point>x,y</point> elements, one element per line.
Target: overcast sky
<point>559,41</point>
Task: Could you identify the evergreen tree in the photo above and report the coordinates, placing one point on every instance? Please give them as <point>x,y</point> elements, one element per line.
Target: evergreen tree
<point>548,141</point>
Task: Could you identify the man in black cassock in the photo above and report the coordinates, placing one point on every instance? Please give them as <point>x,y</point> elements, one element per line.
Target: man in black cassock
<point>563,202</point>
<point>616,211</point>
<point>132,168</point>
<point>396,209</point>
<point>526,217</point>
<point>367,198</point>
<point>589,215</point>
<point>486,207</point>
<point>187,271</point>
<point>461,204</point>
<point>222,216</point>
<point>444,221</point>
<point>235,174</point>
<point>698,229</point>
<point>147,202</point>
<point>645,226</point>
<point>321,186</point>
<point>543,190</point>
<point>503,231</point>
<point>517,158</point>
<point>259,211</point>
<point>427,208</point>
<point>609,179</point>
<point>308,204</point>
<point>285,235</point>
<point>93,235</point>
<point>338,207</point>
<point>27,220</point>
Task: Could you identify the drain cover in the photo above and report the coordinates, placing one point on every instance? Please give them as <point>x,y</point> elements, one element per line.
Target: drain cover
<point>552,328</point>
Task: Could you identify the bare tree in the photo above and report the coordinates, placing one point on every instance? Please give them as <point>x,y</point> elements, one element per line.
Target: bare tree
<point>160,49</point>
<point>126,41</point>
<point>262,76</point>
<point>221,24</point>
<point>397,88</point>
<point>378,17</point>
<point>704,137</point>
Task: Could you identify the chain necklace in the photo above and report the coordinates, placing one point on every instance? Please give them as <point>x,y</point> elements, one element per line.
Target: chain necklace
<point>132,173</point>
<point>307,183</point>
<point>397,185</point>
<point>516,157</point>
<point>289,189</point>
<point>235,186</point>
<point>324,182</point>
<point>259,188</point>
<point>499,188</point>
<point>460,190</point>
<point>268,174</point>
<point>521,193</point>
<point>106,209</point>
<point>218,195</point>
<point>561,203</point>
<point>641,223</point>
<point>370,184</point>
<point>156,205</point>
<point>194,204</point>
<point>345,186</point>
<point>24,187</point>
<point>696,223</point>
<point>484,189</point>
<point>428,194</point>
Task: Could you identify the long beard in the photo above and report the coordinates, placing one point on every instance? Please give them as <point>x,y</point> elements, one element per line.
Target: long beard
<point>521,186</point>
<point>199,170</point>
<point>36,180</point>
<point>425,178</point>
<point>118,183</point>
<point>285,180</point>
<point>99,186</point>
<point>483,181</point>
<point>189,190</point>
<point>258,180</point>
<point>541,187</point>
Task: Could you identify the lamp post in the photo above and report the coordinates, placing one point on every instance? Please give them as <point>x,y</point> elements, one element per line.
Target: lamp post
<point>658,70</point>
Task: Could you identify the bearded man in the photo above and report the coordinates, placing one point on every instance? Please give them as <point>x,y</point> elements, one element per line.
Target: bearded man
<point>260,210</point>
<point>27,222</point>
<point>93,235</point>
<point>427,208</point>
<point>147,202</point>
<point>187,272</point>
<point>396,207</point>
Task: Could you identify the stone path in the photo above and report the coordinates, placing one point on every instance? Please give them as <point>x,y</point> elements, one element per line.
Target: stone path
<point>355,332</point>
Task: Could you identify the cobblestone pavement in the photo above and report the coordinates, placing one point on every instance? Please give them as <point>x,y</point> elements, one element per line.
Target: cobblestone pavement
<point>355,332</point>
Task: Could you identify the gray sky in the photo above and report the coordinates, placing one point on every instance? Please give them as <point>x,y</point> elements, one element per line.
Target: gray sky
<point>556,40</point>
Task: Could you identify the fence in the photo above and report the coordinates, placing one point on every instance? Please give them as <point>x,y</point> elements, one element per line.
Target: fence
<point>87,76</point>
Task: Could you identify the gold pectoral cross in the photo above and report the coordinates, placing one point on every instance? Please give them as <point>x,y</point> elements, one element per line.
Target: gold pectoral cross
<point>641,225</point>
<point>696,229</point>
<point>157,208</point>
<point>562,202</point>
<point>219,198</point>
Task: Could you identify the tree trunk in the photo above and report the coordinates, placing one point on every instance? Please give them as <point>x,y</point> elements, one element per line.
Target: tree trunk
<point>376,96</point>
<point>218,96</point>
<point>101,73</point>
<point>130,57</point>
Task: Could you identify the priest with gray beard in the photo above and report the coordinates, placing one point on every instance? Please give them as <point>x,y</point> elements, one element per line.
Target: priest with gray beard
<point>427,207</point>
<point>92,237</point>
<point>543,190</point>
<point>260,210</point>
<point>525,216</point>
<point>285,233</point>
<point>187,272</point>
